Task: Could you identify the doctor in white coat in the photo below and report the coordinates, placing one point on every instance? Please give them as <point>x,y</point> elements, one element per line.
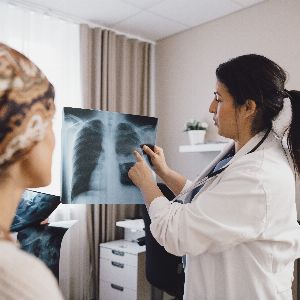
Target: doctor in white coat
<point>237,222</point>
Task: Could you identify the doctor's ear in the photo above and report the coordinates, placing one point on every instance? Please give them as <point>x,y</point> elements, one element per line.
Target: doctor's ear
<point>249,108</point>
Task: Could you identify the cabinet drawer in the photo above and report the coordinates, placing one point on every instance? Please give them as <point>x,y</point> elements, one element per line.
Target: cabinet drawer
<point>118,255</point>
<point>118,273</point>
<point>109,291</point>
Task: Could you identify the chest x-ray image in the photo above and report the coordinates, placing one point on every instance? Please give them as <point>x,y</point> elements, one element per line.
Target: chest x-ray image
<point>34,207</point>
<point>97,153</point>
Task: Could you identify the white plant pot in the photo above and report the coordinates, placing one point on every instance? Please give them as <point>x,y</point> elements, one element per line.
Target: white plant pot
<point>196,136</point>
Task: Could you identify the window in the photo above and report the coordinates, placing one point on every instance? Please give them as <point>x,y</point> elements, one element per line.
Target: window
<point>53,44</point>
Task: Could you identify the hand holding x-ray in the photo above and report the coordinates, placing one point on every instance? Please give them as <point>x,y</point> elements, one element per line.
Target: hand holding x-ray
<point>140,173</point>
<point>158,160</point>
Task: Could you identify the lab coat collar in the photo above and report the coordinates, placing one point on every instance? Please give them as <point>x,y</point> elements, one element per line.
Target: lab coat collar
<point>250,145</point>
<point>219,157</point>
<point>243,151</point>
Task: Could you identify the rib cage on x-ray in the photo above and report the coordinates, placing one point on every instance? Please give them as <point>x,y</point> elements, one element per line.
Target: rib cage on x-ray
<point>87,149</point>
<point>98,153</point>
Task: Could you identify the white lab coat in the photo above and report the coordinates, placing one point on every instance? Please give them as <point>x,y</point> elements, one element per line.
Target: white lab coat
<point>240,232</point>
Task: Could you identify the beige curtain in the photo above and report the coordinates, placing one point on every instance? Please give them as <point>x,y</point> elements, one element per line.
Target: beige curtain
<point>115,77</point>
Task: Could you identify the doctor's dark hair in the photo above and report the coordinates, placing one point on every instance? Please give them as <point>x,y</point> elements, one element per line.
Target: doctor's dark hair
<point>260,79</point>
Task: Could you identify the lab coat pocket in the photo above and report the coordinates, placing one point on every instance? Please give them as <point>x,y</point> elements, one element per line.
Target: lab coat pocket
<point>284,280</point>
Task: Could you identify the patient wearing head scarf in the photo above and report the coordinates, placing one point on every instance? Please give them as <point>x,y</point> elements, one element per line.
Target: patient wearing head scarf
<point>26,105</point>
<point>26,147</point>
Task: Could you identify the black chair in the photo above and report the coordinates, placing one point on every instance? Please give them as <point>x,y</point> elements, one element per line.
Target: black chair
<point>163,270</point>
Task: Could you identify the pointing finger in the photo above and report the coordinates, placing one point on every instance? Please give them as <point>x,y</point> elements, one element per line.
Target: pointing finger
<point>138,156</point>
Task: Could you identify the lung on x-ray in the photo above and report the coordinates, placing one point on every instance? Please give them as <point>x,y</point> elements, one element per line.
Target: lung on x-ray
<point>97,153</point>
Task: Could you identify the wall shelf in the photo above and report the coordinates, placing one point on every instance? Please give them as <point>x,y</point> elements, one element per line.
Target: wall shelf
<point>206,147</point>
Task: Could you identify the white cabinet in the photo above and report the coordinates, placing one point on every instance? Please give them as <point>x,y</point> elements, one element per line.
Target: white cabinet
<point>122,271</point>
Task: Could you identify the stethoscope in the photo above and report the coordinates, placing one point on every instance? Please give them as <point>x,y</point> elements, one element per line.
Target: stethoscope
<point>202,181</point>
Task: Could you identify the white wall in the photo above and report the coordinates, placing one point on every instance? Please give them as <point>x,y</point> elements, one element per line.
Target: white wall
<point>186,63</point>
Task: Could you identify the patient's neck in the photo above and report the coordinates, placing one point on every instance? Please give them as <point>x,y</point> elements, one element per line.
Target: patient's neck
<point>10,195</point>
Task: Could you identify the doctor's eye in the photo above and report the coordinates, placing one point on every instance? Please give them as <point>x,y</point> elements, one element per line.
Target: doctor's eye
<point>217,97</point>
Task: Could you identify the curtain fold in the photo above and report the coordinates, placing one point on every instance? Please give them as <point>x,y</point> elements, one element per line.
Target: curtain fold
<point>115,75</point>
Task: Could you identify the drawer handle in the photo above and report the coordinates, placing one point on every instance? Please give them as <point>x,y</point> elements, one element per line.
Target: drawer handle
<point>116,252</point>
<point>117,287</point>
<point>116,264</point>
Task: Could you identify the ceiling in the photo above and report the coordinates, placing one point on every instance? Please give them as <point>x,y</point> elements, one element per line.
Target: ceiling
<point>148,19</point>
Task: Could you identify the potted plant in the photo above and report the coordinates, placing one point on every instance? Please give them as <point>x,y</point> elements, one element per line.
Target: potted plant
<point>196,131</point>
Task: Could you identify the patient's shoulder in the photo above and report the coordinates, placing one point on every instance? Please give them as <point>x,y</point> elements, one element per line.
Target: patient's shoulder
<point>23,276</point>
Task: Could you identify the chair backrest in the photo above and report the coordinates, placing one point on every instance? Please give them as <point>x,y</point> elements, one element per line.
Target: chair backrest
<point>163,270</point>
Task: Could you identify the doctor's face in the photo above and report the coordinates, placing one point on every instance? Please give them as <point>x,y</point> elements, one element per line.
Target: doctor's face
<point>225,113</point>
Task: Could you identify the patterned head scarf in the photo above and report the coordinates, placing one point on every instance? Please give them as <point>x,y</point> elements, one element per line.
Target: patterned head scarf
<point>26,105</point>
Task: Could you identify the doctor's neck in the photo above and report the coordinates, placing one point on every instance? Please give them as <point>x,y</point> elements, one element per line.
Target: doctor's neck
<point>242,138</point>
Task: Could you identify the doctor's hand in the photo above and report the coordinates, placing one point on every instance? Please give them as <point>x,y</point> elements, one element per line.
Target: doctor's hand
<point>158,160</point>
<point>140,174</point>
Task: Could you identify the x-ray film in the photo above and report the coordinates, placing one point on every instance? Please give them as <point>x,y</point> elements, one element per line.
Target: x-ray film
<point>97,153</point>
<point>33,208</point>
<point>44,242</point>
